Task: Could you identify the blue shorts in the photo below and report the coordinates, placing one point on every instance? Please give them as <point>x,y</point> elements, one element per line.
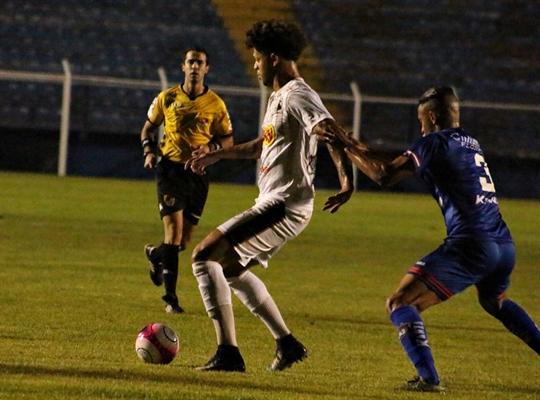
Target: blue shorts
<point>460,263</point>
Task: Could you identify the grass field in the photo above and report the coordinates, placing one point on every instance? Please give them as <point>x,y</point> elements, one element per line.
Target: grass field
<point>75,292</point>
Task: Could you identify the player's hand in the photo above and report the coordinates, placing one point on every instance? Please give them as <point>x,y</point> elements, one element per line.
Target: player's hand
<point>199,163</point>
<point>333,203</point>
<point>336,135</point>
<point>150,161</point>
<point>199,150</point>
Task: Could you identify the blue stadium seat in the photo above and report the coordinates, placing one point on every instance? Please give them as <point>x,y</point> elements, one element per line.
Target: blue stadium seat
<point>487,50</point>
<point>124,38</point>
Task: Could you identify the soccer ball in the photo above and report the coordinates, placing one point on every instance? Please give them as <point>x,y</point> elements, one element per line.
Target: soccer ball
<point>157,344</point>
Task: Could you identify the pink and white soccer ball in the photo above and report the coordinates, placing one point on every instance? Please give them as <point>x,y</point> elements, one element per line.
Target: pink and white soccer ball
<point>157,344</point>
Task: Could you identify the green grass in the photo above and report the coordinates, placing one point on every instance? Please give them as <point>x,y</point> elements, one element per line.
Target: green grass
<point>75,292</point>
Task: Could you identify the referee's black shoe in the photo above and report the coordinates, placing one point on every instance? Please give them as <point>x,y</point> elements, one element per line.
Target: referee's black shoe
<point>172,306</point>
<point>156,269</point>
<point>289,351</point>
<point>227,359</point>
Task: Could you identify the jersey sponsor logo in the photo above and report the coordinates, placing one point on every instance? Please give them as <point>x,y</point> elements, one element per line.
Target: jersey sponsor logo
<point>466,141</point>
<point>481,199</point>
<point>269,135</point>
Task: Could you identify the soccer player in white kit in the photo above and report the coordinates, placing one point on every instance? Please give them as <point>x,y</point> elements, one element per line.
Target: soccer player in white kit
<point>287,149</point>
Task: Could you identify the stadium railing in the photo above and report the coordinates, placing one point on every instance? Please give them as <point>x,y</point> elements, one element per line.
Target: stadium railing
<point>67,80</point>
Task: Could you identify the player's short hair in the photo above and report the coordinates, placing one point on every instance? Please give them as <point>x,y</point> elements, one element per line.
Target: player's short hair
<point>198,49</point>
<point>438,94</point>
<point>285,39</point>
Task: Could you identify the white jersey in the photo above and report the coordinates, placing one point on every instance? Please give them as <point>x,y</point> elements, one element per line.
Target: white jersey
<point>289,153</point>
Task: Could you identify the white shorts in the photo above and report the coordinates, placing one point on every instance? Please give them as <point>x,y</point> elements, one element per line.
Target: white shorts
<point>261,231</point>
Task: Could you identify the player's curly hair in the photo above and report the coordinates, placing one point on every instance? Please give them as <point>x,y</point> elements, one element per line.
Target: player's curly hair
<point>284,39</point>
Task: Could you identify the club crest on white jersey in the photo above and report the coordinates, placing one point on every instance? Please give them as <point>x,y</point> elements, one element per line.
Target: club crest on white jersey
<point>269,135</point>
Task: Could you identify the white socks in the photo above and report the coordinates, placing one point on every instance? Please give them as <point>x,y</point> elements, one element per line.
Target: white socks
<point>254,294</point>
<point>216,295</point>
<point>217,300</point>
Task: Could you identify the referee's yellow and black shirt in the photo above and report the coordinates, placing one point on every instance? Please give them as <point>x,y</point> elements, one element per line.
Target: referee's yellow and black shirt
<point>188,122</point>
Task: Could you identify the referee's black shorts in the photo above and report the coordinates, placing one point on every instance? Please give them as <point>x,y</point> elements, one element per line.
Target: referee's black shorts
<point>180,189</point>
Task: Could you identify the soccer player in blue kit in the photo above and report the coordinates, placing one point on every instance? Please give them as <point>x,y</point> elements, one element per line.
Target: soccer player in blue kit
<point>478,249</point>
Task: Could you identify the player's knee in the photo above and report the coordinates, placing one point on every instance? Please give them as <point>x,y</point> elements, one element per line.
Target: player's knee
<point>200,253</point>
<point>390,305</point>
<point>209,249</point>
<point>393,302</point>
<point>199,268</point>
<point>206,252</point>
<point>490,304</point>
<point>185,240</point>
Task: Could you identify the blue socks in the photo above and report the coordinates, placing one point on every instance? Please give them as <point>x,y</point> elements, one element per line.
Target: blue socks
<point>517,321</point>
<point>412,335</point>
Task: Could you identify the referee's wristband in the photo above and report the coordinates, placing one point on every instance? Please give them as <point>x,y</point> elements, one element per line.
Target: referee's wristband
<point>214,146</point>
<point>147,142</point>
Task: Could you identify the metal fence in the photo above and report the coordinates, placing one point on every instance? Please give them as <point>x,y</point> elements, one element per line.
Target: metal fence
<point>377,116</point>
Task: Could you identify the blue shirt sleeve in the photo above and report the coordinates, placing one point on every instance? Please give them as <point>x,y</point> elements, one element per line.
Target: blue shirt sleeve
<point>424,150</point>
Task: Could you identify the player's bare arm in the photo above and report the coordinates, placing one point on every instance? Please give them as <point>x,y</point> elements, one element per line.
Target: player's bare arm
<point>148,135</point>
<point>328,127</point>
<point>226,141</point>
<point>249,150</point>
<point>217,142</point>
<point>382,172</point>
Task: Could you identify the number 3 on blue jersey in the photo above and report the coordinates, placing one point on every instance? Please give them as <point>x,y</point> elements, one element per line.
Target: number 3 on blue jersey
<point>485,181</point>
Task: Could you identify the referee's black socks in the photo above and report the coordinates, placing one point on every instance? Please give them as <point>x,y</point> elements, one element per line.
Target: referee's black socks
<point>169,261</point>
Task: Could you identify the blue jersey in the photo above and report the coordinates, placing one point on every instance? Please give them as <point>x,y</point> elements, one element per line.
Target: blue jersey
<point>452,164</point>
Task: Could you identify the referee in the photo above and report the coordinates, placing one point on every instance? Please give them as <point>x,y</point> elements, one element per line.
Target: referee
<point>195,121</point>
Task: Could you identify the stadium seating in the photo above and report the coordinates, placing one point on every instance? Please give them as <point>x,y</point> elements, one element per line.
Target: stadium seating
<point>487,49</point>
<point>124,39</point>
<point>410,42</point>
